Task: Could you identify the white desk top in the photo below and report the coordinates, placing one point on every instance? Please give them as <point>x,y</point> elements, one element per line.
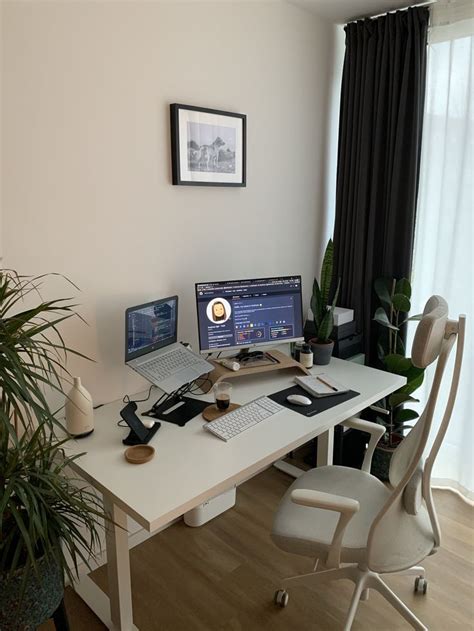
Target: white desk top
<point>191,465</point>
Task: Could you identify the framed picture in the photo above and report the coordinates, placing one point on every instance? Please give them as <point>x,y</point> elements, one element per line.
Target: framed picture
<point>208,147</point>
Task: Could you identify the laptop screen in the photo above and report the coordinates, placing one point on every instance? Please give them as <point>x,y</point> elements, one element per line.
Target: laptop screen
<point>150,326</point>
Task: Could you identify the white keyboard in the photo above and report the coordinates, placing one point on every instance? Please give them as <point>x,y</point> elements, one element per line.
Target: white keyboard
<point>168,364</point>
<point>237,421</point>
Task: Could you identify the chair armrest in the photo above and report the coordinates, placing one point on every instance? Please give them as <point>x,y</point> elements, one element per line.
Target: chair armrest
<point>346,506</point>
<point>376,432</point>
<point>328,501</point>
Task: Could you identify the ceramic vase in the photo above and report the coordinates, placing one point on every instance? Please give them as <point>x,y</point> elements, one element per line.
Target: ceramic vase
<point>79,411</point>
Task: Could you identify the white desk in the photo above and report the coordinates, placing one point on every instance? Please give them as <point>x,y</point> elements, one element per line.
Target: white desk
<point>191,466</point>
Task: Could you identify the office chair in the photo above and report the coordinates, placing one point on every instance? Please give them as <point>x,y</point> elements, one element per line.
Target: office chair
<point>358,527</point>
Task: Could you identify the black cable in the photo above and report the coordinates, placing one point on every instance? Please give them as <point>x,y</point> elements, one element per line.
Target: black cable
<point>205,379</point>
<point>127,399</point>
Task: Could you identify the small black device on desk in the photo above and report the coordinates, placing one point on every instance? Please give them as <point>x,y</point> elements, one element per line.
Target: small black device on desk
<point>139,434</point>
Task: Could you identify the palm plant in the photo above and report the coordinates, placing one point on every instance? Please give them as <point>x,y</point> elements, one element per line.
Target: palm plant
<point>44,512</point>
<point>323,312</point>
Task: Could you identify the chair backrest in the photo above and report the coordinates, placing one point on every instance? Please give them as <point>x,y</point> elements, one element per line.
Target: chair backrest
<point>409,476</point>
<point>426,348</point>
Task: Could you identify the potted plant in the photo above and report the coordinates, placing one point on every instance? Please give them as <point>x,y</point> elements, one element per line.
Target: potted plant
<point>323,313</point>
<point>394,296</point>
<point>45,515</point>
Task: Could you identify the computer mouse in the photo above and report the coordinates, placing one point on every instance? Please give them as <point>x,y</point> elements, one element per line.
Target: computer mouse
<point>298,399</point>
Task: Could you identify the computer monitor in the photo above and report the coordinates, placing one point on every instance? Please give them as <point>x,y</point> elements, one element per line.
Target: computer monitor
<point>237,314</point>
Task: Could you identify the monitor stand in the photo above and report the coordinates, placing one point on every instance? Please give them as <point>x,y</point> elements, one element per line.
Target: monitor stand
<point>279,361</point>
<point>255,359</point>
<point>177,410</point>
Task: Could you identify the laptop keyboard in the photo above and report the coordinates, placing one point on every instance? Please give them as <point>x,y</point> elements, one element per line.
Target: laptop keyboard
<point>168,364</point>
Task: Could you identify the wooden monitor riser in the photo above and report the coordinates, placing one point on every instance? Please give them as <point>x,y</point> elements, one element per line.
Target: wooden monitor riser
<point>221,373</point>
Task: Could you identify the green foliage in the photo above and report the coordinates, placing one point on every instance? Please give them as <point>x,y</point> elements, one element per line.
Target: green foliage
<point>324,316</point>
<point>394,296</point>
<point>41,505</point>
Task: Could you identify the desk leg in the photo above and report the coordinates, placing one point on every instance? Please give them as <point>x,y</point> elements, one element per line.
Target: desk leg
<point>325,448</point>
<point>115,610</point>
<point>118,568</point>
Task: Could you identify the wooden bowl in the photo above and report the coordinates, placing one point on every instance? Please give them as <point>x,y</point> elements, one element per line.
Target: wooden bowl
<point>139,454</point>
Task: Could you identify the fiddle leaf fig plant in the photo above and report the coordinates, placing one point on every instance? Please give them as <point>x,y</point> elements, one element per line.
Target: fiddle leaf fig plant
<point>394,296</point>
<point>322,312</point>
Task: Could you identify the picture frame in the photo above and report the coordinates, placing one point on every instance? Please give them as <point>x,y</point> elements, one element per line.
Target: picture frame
<point>208,147</point>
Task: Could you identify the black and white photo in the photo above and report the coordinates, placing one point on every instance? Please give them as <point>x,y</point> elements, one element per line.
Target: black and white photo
<point>208,146</point>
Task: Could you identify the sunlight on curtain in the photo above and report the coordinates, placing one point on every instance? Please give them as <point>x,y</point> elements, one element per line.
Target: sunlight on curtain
<point>444,239</point>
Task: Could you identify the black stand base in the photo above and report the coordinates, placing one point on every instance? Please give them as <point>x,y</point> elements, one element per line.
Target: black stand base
<point>177,410</point>
<point>134,439</point>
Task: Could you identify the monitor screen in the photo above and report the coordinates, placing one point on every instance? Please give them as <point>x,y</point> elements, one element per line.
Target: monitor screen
<point>240,313</point>
<point>150,326</point>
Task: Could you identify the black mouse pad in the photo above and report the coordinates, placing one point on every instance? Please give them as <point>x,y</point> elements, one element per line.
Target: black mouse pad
<point>319,404</point>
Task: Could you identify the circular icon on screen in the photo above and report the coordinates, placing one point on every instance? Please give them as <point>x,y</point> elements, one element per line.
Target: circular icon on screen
<point>218,310</point>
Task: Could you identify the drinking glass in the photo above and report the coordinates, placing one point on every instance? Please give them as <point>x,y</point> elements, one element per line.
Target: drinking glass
<point>222,393</point>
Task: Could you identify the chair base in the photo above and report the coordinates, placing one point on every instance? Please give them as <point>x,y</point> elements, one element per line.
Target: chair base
<point>364,580</point>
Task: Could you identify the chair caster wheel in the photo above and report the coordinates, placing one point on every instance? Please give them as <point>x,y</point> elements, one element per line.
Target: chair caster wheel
<point>281,598</point>
<point>421,585</point>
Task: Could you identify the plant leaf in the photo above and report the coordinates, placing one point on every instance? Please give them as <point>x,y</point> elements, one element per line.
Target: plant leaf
<point>326,273</point>
<point>397,398</point>
<point>316,304</point>
<point>381,317</point>
<point>405,414</point>
<point>403,287</point>
<point>326,326</point>
<point>381,289</point>
<point>397,364</point>
<point>415,377</point>
<point>412,318</point>
<point>401,303</point>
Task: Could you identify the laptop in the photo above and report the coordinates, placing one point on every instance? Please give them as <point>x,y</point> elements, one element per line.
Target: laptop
<point>151,348</point>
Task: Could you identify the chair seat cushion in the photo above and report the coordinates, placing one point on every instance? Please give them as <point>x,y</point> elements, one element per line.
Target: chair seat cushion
<point>401,540</point>
<point>309,531</point>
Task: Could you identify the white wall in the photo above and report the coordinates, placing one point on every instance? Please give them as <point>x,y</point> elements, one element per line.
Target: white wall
<point>337,63</point>
<point>86,159</point>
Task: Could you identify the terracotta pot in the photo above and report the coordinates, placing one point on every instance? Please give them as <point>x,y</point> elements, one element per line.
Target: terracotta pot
<point>322,352</point>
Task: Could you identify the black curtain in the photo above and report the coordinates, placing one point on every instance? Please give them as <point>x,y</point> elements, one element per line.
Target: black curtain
<point>380,128</point>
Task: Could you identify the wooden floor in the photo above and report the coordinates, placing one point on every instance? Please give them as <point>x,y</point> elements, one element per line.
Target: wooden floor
<point>222,577</point>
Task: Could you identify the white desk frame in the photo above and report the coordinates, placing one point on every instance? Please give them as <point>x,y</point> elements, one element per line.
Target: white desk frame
<point>194,466</point>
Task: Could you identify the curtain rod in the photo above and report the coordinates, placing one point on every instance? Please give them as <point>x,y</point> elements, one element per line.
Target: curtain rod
<point>379,15</point>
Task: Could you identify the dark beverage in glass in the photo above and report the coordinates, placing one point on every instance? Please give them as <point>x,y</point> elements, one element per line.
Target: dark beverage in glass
<point>222,401</point>
<point>222,392</point>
